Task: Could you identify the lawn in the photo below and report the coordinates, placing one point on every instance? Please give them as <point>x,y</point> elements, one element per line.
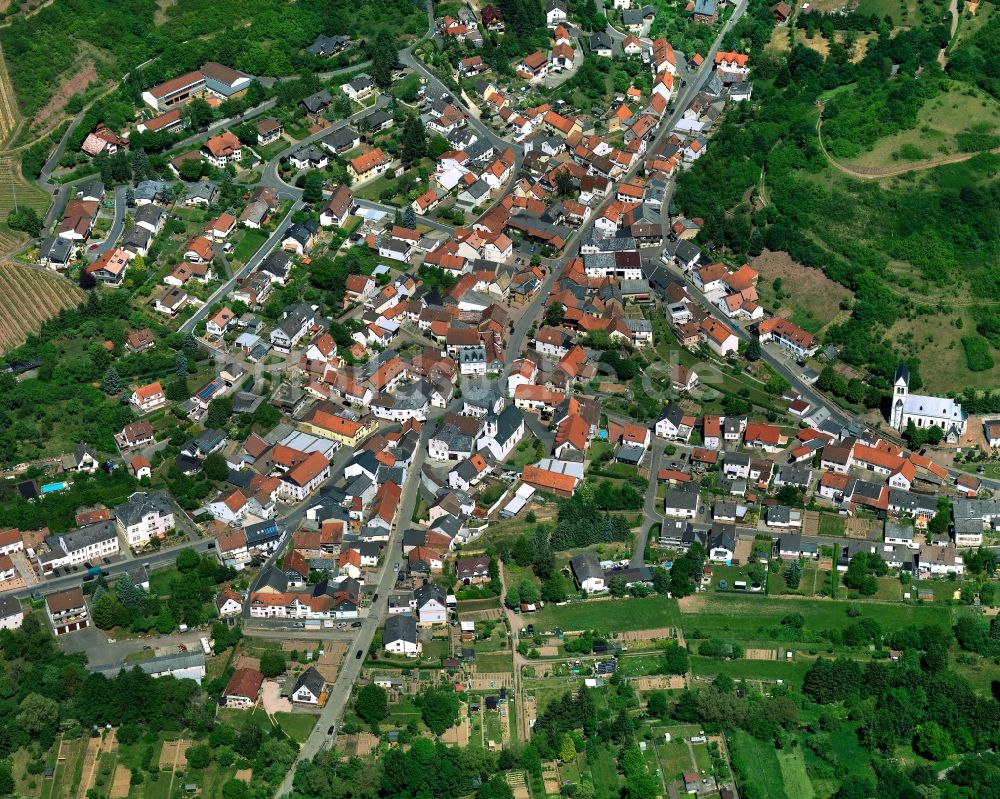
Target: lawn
<point>494,662</point>
<point>296,726</point>
<point>252,241</point>
<point>729,574</point>
<point>523,454</point>
<point>159,581</point>
<point>759,760</point>
<point>832,525</point>
<point>674,758</point>
<point>610,615</point>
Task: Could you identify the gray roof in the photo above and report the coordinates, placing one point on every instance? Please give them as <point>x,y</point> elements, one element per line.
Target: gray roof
<point>155,665</point>
<point>203,190</point>
<point>630,453</point>
<point>600,40</point>
<point>262,532</point>
<point>428,592</point>
<point>150,213</point>
<point>779,514</point>
<point>674,413</point>
<point>318,101</point>
<point>9,606</point>
<point>639,286</point>
<point>56,249</point>
<point>682,498</point>
<point>82,537</point>
<point>894,529</point>
<point>312,680</point>
<point>400,627</point>
<point>586,566</point>
<point>274,578</point>
<point>722,536</point>
<point>508,422</point>
<point>343,137</point>
<point>913,503</point>
<point>794,474</point>
<point>141,504</point>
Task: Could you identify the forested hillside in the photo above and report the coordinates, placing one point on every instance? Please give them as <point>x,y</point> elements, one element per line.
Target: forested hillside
<point>262,37</point>
<point>908,247</point>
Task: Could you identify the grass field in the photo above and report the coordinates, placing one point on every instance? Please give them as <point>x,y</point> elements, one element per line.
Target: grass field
<point>811,297</point>
<point>499,661</point>
<point>746,616</point>
<point>832,525</point>
<point>768,670</point>
<point>935,341</point>
<point>793,773</point>
<point>960,109</point>
<point>638,614</point>
<point>604,774</point>
<point>761,762</point>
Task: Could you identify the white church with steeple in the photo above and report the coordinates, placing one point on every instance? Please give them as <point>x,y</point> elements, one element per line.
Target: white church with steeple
<point>924,411</point>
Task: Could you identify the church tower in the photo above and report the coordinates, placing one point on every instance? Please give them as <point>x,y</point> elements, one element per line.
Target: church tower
<point>901,389</point>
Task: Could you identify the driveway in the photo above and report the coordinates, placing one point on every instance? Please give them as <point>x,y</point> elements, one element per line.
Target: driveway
<point>272,700</point>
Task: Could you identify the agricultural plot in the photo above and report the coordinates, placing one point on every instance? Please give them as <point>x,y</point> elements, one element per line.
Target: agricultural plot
<point>8,102</point>
<point>618,615</point>
<point>28,297</point>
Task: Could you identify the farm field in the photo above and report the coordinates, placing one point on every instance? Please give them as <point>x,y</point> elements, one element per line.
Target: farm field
<point>641,614</point>
<point>28,297</point>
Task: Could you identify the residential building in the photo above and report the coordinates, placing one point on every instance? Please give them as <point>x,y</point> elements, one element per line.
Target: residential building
<point>144,517</point>
<point>587,572</point>
<point>399,635</point>
<point>67,611</point>
<point>242,689</point>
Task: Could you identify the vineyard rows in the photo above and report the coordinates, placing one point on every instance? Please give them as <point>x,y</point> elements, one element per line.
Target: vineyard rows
<point>8,106</point>
<point>27,298</point>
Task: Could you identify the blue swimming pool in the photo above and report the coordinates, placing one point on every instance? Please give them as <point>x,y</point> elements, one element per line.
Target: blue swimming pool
<point>51,488</point>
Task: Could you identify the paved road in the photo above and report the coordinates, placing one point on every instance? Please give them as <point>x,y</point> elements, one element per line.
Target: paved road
<point>333,711</point>
<point>271,176</point>
<point>250,265</point>
<point>650,507</point>
<point>162,557</point>
<point>117,227</point>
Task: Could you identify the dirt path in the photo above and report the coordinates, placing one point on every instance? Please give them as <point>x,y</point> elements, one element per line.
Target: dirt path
<point>879,174</point>
<point>953,10</point>
<point>520,703</point>
<point>95,748</point>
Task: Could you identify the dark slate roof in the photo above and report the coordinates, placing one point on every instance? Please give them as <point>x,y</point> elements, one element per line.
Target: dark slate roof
<point>312,680</point>
<point>400,627</point>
